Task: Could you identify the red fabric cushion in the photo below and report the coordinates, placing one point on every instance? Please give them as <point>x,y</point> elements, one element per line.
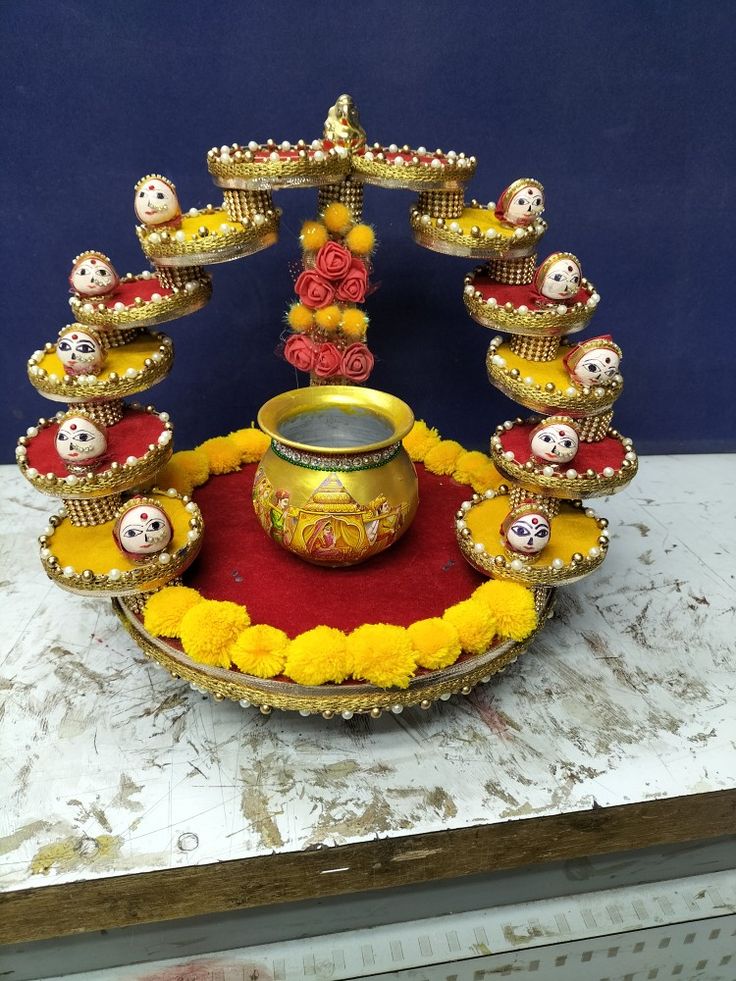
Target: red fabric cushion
<point>523,295</point>
<point>594,456</point>
<point>127,292</point>
<point>418,577</point>
<point>129,437</point>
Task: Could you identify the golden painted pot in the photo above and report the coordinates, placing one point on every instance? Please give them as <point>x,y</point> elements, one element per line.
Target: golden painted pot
<point>336,485</point>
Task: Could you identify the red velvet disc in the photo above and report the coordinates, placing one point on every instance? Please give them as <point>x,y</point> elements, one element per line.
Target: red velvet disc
<point>419,577</point>
<point>521,295</point>
<point>128,291</point>
<point>594,456</point>
<point>129,437</point>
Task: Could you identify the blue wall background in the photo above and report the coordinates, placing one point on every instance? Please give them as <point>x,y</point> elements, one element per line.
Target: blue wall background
<point>620,108</point>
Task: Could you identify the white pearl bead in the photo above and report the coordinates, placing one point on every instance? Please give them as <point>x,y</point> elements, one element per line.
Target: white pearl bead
<point>68,571</point>
<point>172,492</point>
<point>479,547</point>
<point>164,558</point>
<point>518,232</point>
<point>508,455</point>
<point>304,713</point>
<point>570,391</point>
<point>557,564</point>
<point>88,308</point>
<point>571,474</point>
<point>146,274</point>
<point>224,227</point>
<point>71,480</point>
<point>180,236</point>
<point>528,380</point>
<point>131,372</point>
<point>154,238</point>
<point>435,163</point>
<point>517,565</point>
<point>630,457</point>
<point>347,714</point>
<point>253,146</point>
<point>608,471</point>
<point>192,507</point>
<point>286,145</point>
<point>445,696</point>
<point>523,309</point>
<point>368,156</point>
<point>45,553</point>
<point>259,219</point>
<point>469,290</point>
<point>561,308</point>
<point>274,155</point>
<point>461,525</point>
<point>548,471</point>
<point>319,155</point>
<point>190,287</point>
<point>192,534</point>
<point>32,431</point>
<point>192,212</point>
<point>421,150</point>
<point>244,703</point>
<point>491,301</point>
<point>165,437</point>
<point>131,460</point>
<point>594,552</point>
<point>508,425</point>
<point>599,392</point>
<point>454,226</point>
<point>489,494</point>
<point>491,233</point>
<point>498,360</point>
<point>466,506</point>
<point>397,709</point>
<point>155,297</point>
<point>225,158</point>
<point>392,148</point>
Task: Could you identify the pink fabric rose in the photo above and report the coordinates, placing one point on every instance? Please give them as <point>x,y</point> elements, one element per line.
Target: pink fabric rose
<point>333,260</point>
<point>328,361</point>
<point>301,352</point>
<point>357,362</point>
<point>355,283</point>
<point>314,291</point>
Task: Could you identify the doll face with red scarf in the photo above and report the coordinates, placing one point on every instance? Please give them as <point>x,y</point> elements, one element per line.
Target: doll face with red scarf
<point>561,280</point>
<point>80,442</point>
<point>143,530</point>
<point>598,366</point>
<point>156,202</point>
<point>525,205</point>
<point>93,275</point>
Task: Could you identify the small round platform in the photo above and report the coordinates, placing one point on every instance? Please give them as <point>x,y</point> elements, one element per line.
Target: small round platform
<point>545,386</point>
<point>404,168</point>
<point>276,166</point>
<point>137,447</point>
<point>519,309</point>
<point>128,369</point>
<point>141,301</point>
<point>86,560</point>
<point>208,236</point>
<point>477,234</point>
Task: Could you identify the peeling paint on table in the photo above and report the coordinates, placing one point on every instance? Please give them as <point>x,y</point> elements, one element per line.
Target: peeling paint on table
<point>111,766</point>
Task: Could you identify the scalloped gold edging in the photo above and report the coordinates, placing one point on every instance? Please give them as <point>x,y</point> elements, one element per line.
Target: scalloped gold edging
<point>87,388</point>
<point>148,313</point>
<point>164,248</point>
<point>328,700</point>
<point>233,167</point>
<point>115,479</point>
<point>541,478</point>
<point>438,235</point>
<point>574,401</point>
<point>548,322</point>
<point>450,173</point>
<point>527,573</point>
<point>146,577</point>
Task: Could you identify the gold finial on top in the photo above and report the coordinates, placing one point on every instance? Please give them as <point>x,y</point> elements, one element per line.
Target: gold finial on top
<point>342,126</point>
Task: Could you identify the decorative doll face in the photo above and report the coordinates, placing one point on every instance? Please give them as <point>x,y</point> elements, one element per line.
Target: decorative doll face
<point>93,276</point>
<point>562,280</point>
<point>156,203</point>
<point>143,530</point>
<point>80,442</point>
<point>526,205</point>
<point>598,366</point>
<point>80,353</point>
<point>555,443</point>
<point>528,534</point>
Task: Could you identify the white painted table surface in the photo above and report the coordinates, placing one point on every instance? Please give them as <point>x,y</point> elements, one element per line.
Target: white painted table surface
<point>110,766</point>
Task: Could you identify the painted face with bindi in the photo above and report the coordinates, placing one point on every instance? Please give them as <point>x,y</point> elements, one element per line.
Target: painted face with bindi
<point>80,352</point>
<point>143,530</point>
<point>156,202</point>
<point>525,205</point>
<point>80,442</point>
<point>598,366</point>
<point>554,443</point>
<point>93,276</point>
<point>561,280</point>
<point>528,534</point>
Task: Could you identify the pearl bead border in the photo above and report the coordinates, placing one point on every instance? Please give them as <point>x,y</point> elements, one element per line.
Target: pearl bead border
<point>444,235</point>
<point>143,313</point>
<point>233,167</point>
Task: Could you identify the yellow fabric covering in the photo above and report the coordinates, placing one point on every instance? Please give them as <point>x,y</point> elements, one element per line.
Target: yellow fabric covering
<point>94,548</point>
<point>572,530</point>
<point>211,220</point>
<point>541,371</point>
<point>119,359</point>
<point>483,219</point>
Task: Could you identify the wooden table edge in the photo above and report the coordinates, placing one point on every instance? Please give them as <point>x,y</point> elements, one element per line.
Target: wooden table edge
<point>46,912</point>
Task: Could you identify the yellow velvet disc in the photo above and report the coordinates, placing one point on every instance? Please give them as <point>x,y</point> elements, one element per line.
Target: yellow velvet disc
<point>94,547</point>
<point>211,220</point>
<point>541,371</point>
<point>118,359</point>
<point>572,530</point>
<point>484,219</point>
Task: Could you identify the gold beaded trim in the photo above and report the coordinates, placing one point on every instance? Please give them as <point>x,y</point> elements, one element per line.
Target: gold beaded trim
<point>236,169</point>
<point>528,573</point>
<point>520,495</point>
<point>108,412</point>
<point>114,478</point>
<point>547,322</point>
<point>517,272</point>
<point>111,337</point>
<point>329,700</point>
<point>595,428</point>
<point>315,381</point>
<point>163,248</point>
<point>441,204</point>
<point>348,192</point>
<point>413,175</point>
<point>534,348</point>
<point>247,204</point>
<point>146,576</point>
<point>565,483</point>
<point>573,401</point>
<point>85,514</point>
<point>435,234</point>
<point>63,388</point>
<point>195,293</point>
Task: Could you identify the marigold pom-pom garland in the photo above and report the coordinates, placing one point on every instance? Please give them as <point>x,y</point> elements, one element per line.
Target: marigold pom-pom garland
<point>220,633</point>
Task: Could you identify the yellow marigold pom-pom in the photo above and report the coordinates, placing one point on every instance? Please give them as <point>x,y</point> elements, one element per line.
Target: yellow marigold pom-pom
<point>317,656</point>
<point>469,465</point>
<point>328,318</point>
<point>382,654</point>
<point>313,235</point>
<point>420,440</point>
<point>222,453</point>
<point>485,477</point>
<point>474,622</point>
<point>196,463</point>
<point>165,610</point>
<point>260,650</point>
<point>361,239</point>
<point>251,443</point>
<point>209,630</point>
<point>173,474</point>
<point>512,606</point>
<point>354,324</point>
<point>337,217</point>
<point>436,641</point>
<point>299,317</point>
<point>442,458</point>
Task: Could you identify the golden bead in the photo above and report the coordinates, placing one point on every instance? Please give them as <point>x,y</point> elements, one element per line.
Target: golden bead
<point>375,713</point>
<point>425,704</point>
